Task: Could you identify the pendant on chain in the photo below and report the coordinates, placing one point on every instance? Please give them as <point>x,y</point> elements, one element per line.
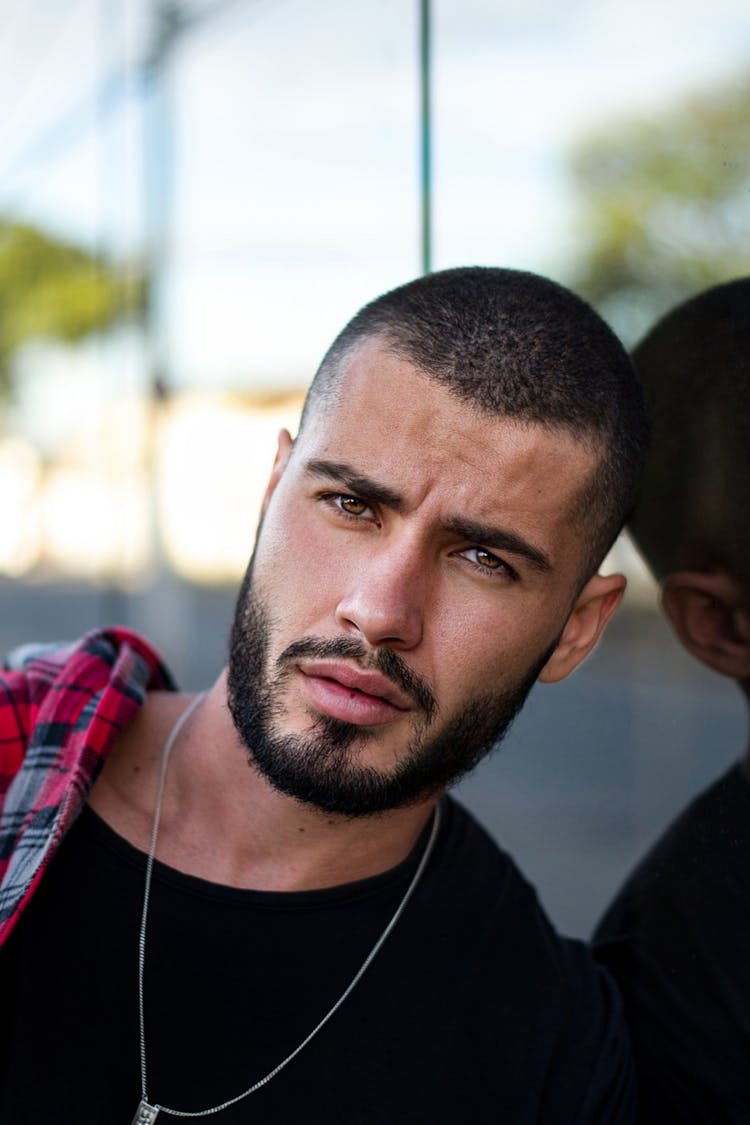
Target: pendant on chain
<point>145,1114</point>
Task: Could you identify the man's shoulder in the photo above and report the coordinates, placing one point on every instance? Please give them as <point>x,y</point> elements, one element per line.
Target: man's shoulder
<point>533,993</point>
<point>62,708</point>
<point>509,927</point>
<point>42,663</point>
<point>47,689</point>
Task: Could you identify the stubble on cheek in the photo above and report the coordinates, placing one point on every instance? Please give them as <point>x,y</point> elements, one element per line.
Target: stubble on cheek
<point>319,760</point>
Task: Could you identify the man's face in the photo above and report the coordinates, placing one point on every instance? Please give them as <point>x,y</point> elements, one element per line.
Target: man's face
<point>415,570</point>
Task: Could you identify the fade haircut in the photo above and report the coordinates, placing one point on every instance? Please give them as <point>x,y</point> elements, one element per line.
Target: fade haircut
<point>691,511</point>
<point>521,346</point>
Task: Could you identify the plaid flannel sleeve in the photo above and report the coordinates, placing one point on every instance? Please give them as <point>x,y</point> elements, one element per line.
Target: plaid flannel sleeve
<point>61,710</point>
<point>14,726</point>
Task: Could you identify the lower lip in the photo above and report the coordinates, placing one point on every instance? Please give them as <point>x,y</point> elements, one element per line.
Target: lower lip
<point>348,704</point>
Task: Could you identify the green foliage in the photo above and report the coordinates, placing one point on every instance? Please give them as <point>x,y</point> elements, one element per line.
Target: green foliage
<point>664,207</point>
<point>50,289</point>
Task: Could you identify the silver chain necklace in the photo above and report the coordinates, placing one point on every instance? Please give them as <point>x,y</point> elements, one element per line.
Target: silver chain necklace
<point>147,1112</point>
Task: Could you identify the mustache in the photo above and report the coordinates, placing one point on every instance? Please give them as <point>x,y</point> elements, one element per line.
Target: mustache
<point>385,661</point>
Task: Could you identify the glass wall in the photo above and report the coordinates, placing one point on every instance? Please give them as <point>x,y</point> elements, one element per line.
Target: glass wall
<point>196,196</point>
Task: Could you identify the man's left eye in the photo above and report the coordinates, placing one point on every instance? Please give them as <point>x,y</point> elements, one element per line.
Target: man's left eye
<point>351,505</point>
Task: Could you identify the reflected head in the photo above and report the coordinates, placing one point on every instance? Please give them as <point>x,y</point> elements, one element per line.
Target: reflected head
<point>691,510</point>
<point>519,346</point>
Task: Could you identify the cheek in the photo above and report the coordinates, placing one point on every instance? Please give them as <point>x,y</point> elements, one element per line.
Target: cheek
<point>295,572</point>
<point>479,649</point>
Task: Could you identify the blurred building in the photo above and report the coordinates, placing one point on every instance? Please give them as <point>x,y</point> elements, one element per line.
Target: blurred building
<point>211,188</point>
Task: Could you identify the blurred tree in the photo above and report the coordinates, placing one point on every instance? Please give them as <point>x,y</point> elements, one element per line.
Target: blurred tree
<point>49,288</point>
<point>664,206</point>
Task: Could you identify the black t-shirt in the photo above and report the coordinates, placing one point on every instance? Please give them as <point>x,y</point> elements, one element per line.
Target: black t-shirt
<point>677,937</point>
<point>473,1011</point>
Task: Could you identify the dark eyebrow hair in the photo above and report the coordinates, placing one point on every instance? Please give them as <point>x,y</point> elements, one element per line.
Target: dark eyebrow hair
<point>479,533</point>
<point>364,487</point>
<point>501,540</point>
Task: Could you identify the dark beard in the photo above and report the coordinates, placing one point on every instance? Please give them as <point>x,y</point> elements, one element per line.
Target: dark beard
<point>320,767</point>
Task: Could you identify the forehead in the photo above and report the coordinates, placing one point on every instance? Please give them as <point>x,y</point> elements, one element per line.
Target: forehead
<point>389,420</point>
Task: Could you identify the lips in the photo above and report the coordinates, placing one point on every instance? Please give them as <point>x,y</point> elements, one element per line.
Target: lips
<point>352,695</point>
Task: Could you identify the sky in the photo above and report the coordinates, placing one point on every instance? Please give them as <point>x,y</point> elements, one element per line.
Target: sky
<point>276,168</point>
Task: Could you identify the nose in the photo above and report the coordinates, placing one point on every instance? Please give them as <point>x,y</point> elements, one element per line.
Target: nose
<point>385,599</point>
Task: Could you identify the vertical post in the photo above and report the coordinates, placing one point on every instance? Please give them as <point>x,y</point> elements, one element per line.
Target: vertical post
<point>425,138</point>
<point>158,171</point>
<point>165,605</point>
<point>112,601</point>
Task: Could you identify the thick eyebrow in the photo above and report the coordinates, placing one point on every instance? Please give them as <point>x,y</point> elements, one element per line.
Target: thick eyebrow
<point>501,540</point>
<point>362,486</point>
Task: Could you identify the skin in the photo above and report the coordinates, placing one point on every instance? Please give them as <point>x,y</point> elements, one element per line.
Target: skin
<point>407,520</point>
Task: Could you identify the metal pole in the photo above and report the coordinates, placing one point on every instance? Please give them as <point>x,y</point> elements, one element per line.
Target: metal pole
<point>425,135</point>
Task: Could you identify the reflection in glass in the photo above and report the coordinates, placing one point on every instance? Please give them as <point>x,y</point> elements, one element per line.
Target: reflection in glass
<point>678,935</point>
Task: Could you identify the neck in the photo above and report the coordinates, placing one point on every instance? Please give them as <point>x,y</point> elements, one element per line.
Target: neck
<point>222,821</point>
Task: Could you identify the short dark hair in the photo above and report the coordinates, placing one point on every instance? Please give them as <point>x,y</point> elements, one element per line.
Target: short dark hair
<point>691,509</point>
<point>522,346</point>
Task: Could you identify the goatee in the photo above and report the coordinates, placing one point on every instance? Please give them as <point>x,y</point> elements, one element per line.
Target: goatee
<point>321,766</point>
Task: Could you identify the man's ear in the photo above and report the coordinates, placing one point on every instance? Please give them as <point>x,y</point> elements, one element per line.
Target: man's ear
<point>284,448</point>
<point>710,612</point>
<point>594,606</point>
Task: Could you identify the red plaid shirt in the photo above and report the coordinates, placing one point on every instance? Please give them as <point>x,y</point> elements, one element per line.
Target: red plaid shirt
<point>61,710</point>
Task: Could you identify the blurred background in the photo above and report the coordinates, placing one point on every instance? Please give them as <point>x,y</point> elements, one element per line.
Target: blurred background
<point>195,195</point>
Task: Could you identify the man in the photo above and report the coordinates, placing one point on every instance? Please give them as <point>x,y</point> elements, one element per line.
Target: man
<point>678,934</point>
<point>324,937</point>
